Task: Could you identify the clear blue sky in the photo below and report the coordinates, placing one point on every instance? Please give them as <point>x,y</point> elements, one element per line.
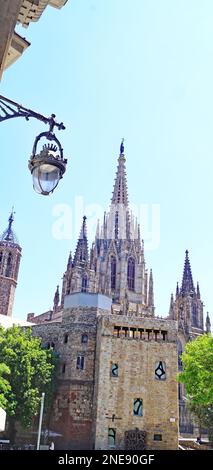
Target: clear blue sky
<point>139,69</point>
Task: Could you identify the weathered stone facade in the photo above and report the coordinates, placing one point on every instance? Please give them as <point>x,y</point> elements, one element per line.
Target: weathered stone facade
<point>73,338</point>
<point>136,346</point>
<point>89,340</point>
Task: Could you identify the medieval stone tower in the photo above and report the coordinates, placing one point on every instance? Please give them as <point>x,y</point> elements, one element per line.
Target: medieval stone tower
<point>10,255</point>
<point>187,310</point>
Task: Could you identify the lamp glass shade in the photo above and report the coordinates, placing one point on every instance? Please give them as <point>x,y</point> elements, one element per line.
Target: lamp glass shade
<point>45,178</point>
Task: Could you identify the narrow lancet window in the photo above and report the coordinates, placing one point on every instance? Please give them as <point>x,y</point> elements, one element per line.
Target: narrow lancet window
<point>84,283</point>
<point>131,274</point>
<point>113,273</point>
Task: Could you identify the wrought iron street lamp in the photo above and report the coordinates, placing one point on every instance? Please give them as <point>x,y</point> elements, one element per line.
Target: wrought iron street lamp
<point>47,164</point>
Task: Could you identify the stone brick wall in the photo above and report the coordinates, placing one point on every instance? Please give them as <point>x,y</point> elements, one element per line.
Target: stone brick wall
<point>5,298</point>
<point>136,359</point>
<point>86,399</point>
<point>72,412</point>
<point>10,255</point>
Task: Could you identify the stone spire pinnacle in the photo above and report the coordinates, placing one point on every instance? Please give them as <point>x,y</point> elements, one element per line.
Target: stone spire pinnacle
<point>198,290</point>
<point>187,281</point>
<point>56,299</point>
<point>69,263</point>
<point>97,235</point>
<point>9,235</point>
<point>120,193</point>
<point>171,308</point>
<point>208,323</point>
<point>151,291</point>
<point>139,232</point>
<point>81,252</point>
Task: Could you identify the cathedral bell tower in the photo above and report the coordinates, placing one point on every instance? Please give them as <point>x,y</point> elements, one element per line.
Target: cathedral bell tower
<point>187,308</point>
<point>10,255</point>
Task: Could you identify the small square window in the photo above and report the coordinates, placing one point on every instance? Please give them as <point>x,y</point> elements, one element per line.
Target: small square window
<point>114,370</point>
<point>157,437</point>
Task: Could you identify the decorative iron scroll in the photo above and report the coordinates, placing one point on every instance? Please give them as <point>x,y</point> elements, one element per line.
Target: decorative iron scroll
<point>135,440</point>
<point>10,109</point>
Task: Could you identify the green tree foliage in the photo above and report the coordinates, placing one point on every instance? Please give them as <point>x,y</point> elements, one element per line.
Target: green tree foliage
<point>4,385</point>
<point>32,371</point>
<point>197,372</point>
<point>197,376</point>
<point>204,417</point>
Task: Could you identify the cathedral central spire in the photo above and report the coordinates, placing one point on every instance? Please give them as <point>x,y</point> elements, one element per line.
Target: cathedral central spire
<point>187,282</point>
<point>120,193</point>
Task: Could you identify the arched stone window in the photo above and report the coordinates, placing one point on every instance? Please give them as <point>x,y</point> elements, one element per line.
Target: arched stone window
<point>131,274</point>
<point>113,272</point>
<point>194,315</point>
<point>84,282</point>
<point>9,266</point>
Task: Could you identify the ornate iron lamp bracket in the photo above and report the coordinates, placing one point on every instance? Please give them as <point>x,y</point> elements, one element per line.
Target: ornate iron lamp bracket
<point>10,109</point>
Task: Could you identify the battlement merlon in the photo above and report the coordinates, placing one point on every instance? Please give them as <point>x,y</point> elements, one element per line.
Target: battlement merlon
<point>143,328</point>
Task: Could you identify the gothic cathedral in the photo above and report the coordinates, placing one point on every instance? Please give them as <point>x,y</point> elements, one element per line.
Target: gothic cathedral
<point>117,386</point>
